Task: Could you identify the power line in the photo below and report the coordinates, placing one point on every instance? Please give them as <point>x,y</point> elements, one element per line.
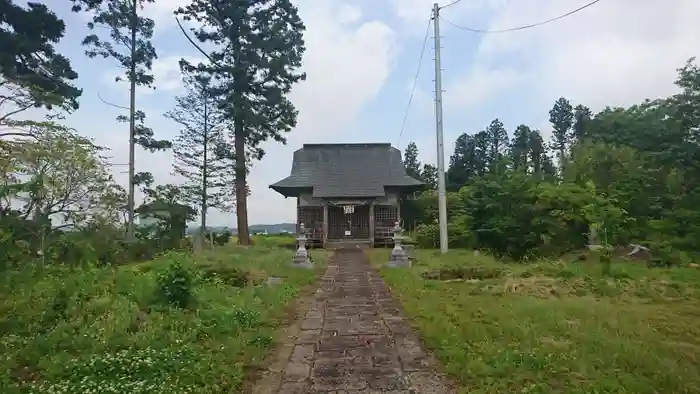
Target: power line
<point>415,81</point>
<point>451,4</point>
<point>583,7</point>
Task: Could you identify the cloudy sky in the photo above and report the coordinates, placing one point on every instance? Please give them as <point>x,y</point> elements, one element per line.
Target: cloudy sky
<point>361,60</point>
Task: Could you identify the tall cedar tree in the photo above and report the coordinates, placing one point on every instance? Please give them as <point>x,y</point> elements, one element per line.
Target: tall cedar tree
<point>129,43</point>
<point>259,50</point>
<point>561,116</point>
<point>462,167</point>
<point>32,74</point>
<point>196,149</point>
<point>582,115</point>
<point>429,175</point>
<point>519,148</point>
<point>498,144</point>
<point>410,160</point>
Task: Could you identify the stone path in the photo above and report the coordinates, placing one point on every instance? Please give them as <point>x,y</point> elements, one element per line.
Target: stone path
<point>354,340</point>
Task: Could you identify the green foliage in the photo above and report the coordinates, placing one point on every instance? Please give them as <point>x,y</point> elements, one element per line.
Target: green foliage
<point>410,161</point>
<point>121,19</point>
<point>144,135</point>
<point>553,325</point>
<point>32,73</point>
<point>101,328</point>
<point>175,286</point>
<point>155,370</point>
<point>629,174</point>
<point>561,116</point>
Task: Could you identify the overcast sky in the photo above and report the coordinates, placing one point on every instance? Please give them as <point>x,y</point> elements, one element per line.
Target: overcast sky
<point>361,59</point>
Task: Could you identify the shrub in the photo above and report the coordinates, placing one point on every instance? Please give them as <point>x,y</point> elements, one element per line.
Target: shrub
<point>175,286</point>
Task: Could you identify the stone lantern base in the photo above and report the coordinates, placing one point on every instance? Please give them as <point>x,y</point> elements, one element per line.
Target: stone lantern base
<point>399,258</point>
<point>301,259</point>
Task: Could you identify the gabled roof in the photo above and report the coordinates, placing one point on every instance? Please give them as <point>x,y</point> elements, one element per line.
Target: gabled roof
<point>346,170</point>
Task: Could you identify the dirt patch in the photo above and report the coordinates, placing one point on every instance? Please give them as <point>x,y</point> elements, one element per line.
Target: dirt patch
<point>464,273</point>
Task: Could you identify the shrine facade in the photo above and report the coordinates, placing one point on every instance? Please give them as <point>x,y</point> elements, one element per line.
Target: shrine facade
<point>348,192</point>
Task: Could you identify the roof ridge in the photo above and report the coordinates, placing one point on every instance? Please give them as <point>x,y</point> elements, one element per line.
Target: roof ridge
<point>349,145</point>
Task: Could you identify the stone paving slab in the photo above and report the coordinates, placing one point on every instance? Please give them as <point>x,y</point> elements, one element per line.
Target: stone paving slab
<point>353,339</point>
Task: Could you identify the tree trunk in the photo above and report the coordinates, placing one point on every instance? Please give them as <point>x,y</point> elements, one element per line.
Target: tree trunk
<point>132,125</point>
<point>205,168</point>
<point>240,172</point>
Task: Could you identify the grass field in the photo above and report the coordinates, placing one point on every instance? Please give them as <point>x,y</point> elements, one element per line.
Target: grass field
<point>554,327</point>
<point>116,330</point>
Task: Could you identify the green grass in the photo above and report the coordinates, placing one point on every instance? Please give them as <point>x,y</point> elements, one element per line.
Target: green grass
<point>105,330</point>
<point>554,326</point>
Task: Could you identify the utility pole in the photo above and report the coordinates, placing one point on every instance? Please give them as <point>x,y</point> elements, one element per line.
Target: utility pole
<point>442,195</point>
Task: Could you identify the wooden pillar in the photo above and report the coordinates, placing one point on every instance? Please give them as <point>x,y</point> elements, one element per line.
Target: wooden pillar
<point>325,223</point>
<point>371,224</point>
<point>398,210</point>
<point>298,214</point>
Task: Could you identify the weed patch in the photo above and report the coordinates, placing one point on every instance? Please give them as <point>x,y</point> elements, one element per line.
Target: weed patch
<point>179,323</point>
<point>451,273</point>
<point>554,327</point>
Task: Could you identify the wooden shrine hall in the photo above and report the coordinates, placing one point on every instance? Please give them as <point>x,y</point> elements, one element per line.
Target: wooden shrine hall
<point>347,193</point>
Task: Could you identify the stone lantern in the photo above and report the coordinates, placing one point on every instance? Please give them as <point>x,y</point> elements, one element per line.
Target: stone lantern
<point>399,258</point>
<point>301,256</point>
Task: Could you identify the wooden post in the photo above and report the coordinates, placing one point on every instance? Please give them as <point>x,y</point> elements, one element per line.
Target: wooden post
<point>325,223</point>
<point>371,224</point>
<point>298,213</point>
<point>398,210</point>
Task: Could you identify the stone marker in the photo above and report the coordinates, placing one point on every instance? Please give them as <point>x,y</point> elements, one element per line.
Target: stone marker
<point>399,258</point>
<point>301,257</point>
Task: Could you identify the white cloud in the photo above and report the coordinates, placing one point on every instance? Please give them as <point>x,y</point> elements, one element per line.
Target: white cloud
<point>346,66</point>
<point>166,71</point>
<point>412,11</point>
<point>613,53</point>
<point>162,12</point>
<point>479,85</point>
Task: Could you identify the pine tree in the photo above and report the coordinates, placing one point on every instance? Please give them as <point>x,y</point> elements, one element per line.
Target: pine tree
<point>32,73</point>
<point>519,148</point>
<point>498,143</point>
<point>410,160</point>
<point>259,47</point>
<point>129,43</point>
<point>561,116</point>
<point>429,175</point>
<point>198,149</point>
<point>582,115</point>
<point>463,162</point>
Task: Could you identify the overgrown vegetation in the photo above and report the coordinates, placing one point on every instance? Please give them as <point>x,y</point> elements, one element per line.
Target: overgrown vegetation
<point>623,175</point>
<point>90,301</point>
<point>178,322</point>
<point>554,326</point>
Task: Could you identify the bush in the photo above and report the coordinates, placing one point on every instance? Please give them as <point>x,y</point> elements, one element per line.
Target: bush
<point>427,236</point>
<point>175,286</point>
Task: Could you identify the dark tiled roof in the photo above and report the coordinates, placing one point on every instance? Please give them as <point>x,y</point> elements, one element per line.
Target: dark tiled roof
<point>346,170</point>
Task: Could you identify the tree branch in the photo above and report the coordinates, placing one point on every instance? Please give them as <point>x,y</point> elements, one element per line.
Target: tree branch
<point>111,104</point>
<point>194,44</point>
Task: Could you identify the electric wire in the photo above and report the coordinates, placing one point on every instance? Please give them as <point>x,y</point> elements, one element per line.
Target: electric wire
<point>415,80</point>
<point>450,5</point>
<point>485,31</point>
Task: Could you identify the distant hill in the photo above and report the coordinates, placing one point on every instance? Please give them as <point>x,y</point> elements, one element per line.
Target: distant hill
<point>255,228</point>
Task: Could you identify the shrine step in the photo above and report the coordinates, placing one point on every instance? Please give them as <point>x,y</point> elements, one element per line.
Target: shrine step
<point>348,244</point>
